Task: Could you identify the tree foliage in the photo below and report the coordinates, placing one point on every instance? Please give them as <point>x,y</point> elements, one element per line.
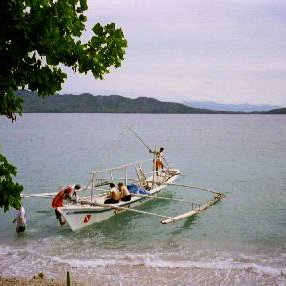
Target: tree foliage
<point>37,37</point>
<point>9,191</point>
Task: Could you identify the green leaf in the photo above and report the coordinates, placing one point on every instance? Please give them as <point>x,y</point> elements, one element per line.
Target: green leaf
<point>9,191</point>
<point>37,38</point>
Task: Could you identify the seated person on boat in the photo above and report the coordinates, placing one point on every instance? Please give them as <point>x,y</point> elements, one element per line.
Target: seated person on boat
<point>125,194</point>
<point>113,196</point>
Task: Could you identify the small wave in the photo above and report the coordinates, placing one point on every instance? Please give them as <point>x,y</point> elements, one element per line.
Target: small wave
<point>149,260</point>
<point>16,260</point>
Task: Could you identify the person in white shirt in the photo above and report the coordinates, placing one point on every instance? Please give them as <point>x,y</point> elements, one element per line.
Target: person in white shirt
<point>21,219</point>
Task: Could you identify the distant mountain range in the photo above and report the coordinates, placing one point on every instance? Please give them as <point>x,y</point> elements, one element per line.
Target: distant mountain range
<point>88,103</point>
<point>230,107</point>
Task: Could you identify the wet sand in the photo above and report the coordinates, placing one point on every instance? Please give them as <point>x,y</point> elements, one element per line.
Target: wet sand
<point>145,276</point>
<point>37,280</point>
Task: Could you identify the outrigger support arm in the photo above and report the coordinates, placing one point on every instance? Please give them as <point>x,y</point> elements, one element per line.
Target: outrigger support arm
<point>193,187</point>
<point>165,198</point>
<point>131,210</point>
<point>193,212</point>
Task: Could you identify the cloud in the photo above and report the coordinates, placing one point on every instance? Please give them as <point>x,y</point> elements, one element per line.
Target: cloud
<point>175,47</point>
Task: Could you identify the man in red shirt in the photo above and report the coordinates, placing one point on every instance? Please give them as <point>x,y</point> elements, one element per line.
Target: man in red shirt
<point>65,194</point>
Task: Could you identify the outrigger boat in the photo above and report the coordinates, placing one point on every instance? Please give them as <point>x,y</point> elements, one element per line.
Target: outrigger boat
<point>89,209</point>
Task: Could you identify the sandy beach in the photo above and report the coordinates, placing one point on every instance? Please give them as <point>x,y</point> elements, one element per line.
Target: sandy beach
<point>36,280</point>
<point>142,275</point>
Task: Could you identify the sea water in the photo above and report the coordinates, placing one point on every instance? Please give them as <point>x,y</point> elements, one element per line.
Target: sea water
<point>239,241</point>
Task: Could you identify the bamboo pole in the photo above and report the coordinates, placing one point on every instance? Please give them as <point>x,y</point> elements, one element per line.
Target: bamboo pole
<point>154,168</point>
<point>193,212</point>
<point>164,198</point>
<point>122,166</point>
<point>45,195</point>
<point>131,210</point>
<point>111,176</point>
<point>192,187</point>
<point>126,177</point>
<point>139,138</point>
<point>92,188</point>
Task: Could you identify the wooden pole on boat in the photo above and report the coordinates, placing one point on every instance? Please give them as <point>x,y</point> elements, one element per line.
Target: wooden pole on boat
<point>139,138</point>
<point>164,198</point>
<point>154,168</point>
<point>192,187</point>
<point>193,212</point>
<point>92,187</point>
<point>121,167</point>
<point>126,179</point>
<point>131,210</point>
<point>111,176</point>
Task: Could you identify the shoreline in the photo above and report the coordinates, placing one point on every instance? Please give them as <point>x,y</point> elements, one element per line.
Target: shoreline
<point>37,280</point>
<point>145,275</point>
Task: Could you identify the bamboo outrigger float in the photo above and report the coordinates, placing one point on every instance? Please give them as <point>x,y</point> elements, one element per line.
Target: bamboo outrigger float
<point>92,208</point>
<point>89,210</point>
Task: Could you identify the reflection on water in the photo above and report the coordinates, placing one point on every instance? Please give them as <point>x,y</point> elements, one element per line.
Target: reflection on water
<point>239,241</point>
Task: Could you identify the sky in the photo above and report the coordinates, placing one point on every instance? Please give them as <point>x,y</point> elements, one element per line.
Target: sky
<point>231,51</point>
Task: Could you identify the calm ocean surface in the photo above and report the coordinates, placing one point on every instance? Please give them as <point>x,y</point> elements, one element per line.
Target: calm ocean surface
<point>240,241</point>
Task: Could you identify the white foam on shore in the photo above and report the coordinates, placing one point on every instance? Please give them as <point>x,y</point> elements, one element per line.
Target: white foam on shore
<point>15,261</point>
<point>157,262</point>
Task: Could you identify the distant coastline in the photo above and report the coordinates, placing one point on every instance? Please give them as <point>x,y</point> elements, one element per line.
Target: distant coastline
<point>88,103</point>
<point>238,107</point>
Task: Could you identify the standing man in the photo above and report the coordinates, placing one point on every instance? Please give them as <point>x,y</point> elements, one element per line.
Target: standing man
<point>20,219</point>
<point>66,193</point>
<point>158,159</point>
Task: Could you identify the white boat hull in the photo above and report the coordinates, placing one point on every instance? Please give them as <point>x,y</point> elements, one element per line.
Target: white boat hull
<point>78,216</point>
